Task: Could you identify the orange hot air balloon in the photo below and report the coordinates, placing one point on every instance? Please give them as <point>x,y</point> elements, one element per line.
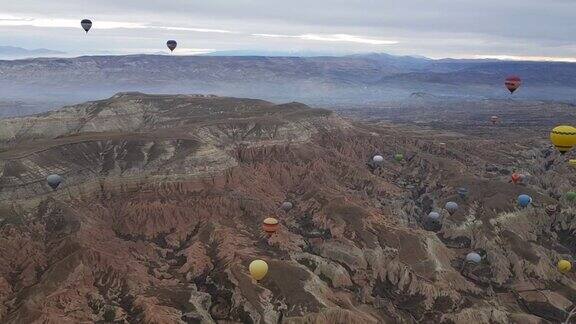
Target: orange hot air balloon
<point>513,83</point>
<point>494,119</point>
<point>270,225</point>
<point>516,177</point>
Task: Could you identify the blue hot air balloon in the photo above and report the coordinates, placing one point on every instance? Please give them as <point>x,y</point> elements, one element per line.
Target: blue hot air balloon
<point>462,192</point>
<point>524,200</point>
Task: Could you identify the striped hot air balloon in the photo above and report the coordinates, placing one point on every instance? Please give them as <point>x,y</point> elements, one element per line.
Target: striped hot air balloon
<point>270,225</point>
<point>512,83</point>
<point>563,137</point>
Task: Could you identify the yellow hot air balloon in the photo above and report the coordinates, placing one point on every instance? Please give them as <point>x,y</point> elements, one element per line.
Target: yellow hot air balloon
<point>573,163</point>
<point>563,137</point>
<point>564,266</point>
<point>258,269</point>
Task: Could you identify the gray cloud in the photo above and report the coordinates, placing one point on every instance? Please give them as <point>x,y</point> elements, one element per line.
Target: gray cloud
<point>438,28</point>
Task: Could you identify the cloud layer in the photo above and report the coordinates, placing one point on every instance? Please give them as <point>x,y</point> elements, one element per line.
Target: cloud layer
<point>436,28</point>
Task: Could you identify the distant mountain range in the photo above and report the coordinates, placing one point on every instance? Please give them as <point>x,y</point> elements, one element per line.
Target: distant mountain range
<point>325,81</point>
<point>11,52</point>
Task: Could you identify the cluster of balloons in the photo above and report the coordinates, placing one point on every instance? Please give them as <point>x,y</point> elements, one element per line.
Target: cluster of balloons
<point>259,268</point>
<point>87,25</point>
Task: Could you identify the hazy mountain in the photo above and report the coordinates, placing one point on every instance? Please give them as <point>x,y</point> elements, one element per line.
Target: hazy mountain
<point>326,81</point>
<point>11,52</point>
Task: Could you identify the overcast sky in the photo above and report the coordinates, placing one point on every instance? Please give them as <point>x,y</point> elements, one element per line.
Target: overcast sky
<point>435,28</point>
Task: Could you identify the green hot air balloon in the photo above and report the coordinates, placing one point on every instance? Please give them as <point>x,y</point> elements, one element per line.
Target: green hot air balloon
<point>399,157</point>
<point>571,196</point>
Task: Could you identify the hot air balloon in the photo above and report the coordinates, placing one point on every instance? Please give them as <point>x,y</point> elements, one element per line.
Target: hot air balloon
<point>378,160</point>
<point>86,24</point>
<point>462,192</point>
<point>494,120</point>
<point>433,221</point>
<point>563,137</point>
<point>399,157</point>
<point>551,210</point>
<point>451,207</point>
<point>571,196</point>
<point>171,45</point>
<point>270,225</point>
<point>516,177</point>
<point>258,269</point>
<point>524,200</point>
<point>473,257</point>
<point>564,266</point>
<point>572,163</point>
<point>513,83</point>
<point>286,206</point>
<point>54,181</point>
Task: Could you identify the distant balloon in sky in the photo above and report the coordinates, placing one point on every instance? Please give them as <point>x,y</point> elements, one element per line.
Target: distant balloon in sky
<point>86,24</point>
<point>563,137</point>
<point>378,159</point>
<point>54,181</point>
<point>171,45</point>
<point>399,157</point>
<point>524,200</point>
<point>494,119</point>
<point>513,83</point>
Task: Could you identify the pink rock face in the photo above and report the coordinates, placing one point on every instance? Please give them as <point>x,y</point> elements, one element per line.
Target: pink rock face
<point>160,227</point>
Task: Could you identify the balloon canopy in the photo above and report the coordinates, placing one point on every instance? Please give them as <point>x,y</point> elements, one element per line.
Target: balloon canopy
<point>258,269</point>
<point>524,200</point>
<point>563,137</point>
<point>86,24</point>
<point>54,181</point>
<point>512,83</point>
<point>171,45</point>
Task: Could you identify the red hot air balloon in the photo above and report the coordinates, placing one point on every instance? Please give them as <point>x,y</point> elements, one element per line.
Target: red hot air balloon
<point>513,83</point>
<point>270,225</point>
<point>494,119</point>
<point>516,177</point>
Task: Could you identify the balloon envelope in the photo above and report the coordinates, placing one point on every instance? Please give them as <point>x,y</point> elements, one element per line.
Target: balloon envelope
<point>86,24</point>
<point>512,83</point>
<point>433,221</point>
<point>286,206</point>
<point>451,206</point>
<point>270,225</point>
<point>54,181</point>
<point>571,196</point>
<point>563,137</point>
<point>171,45</point>
<point>378,159</point>
<point>494,119</point>
<point>516,177</point>
<point>258,269</point>
<point>524,200</point>
<point>462,192</point>
<point>473,257</point>
<point>399,157</point>
<point>564,266</point>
